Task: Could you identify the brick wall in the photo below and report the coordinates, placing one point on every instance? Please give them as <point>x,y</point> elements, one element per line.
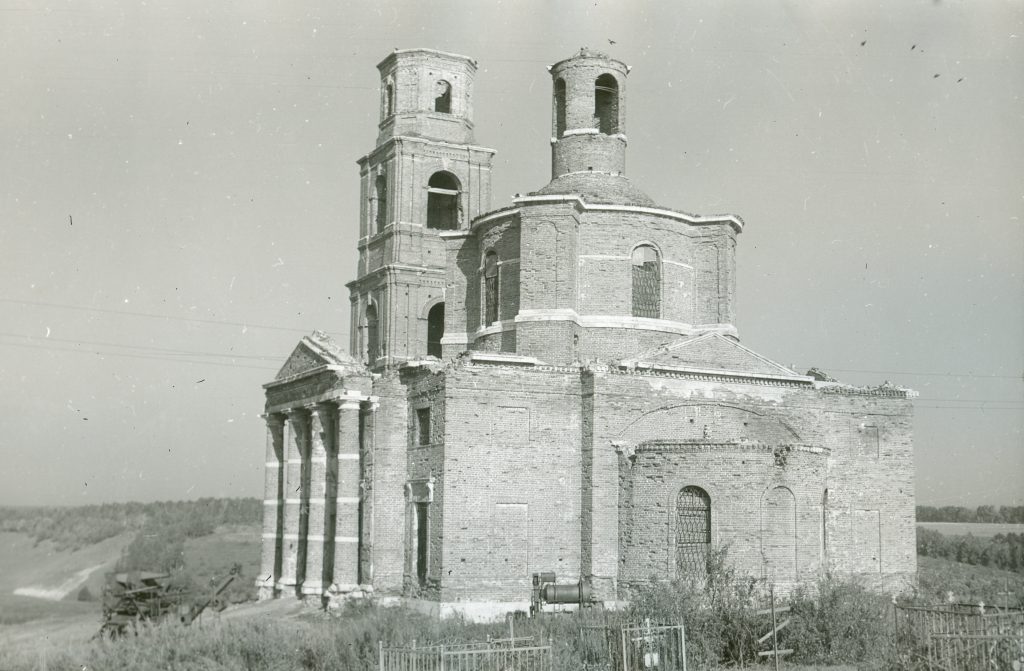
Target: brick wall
<point>512,481</point>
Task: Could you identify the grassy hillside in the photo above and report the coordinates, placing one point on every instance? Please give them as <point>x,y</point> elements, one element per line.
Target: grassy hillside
<point>937,578</point>
<point>49,555</point>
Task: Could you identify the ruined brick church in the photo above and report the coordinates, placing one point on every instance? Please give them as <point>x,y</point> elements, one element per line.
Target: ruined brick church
<point>557,385</point>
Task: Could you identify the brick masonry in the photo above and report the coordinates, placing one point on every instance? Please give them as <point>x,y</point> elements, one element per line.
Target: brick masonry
<point>568,434</point>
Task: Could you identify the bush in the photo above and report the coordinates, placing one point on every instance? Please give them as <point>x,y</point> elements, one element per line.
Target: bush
<point>840,621</point>
<point>719,613</point>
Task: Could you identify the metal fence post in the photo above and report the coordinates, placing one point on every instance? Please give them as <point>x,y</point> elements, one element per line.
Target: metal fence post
<point>682,638</point>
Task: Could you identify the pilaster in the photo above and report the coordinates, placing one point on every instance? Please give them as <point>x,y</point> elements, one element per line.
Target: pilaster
<point>293,538</point>
<point>273,518</point>
<point>320,421</point>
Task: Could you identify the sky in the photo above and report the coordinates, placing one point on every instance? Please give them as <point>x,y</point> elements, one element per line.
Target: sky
<point>179,203</point>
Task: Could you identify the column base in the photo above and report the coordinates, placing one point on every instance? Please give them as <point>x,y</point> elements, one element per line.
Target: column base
<point>312,588</point>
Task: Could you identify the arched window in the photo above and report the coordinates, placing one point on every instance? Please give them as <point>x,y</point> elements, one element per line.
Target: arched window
<point>443,201</point>
<point>559,107</point>
<point>490,288</point>
<point>381,204</point>
<point>693,532</point>
<point>372,335</point>
<point>435,330</point>
<point>389,99</point>
<point>606,104</point>
<point>646,282</point>
<point>443,97</point>
<point>778,534</point>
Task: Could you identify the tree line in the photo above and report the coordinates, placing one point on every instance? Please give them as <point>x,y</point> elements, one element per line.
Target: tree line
<point>979,515</point>
<point>71,528</point>
<point>1002,551</point>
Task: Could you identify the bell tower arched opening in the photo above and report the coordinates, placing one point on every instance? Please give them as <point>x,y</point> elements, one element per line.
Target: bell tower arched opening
<point>443,201</point>
<point>606,104</point>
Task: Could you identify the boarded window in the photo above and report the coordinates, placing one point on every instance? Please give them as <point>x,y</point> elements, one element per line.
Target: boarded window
<point>510,541</point>
<point>646,282</point>
<point>559,107</point>
<point>606,104</point>
<point>423,426</point>
<point>372,334</point>
<point>381,202</point>
<point>435,330</point>
<point>443,97</point>
<point>866,535</point>
<point>778,535</point>
<point>512,427</point>
<point>693,532</point>
<point>443,201</point>
<point>490,288</point>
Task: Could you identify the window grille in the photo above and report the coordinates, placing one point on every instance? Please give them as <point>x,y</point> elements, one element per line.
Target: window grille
<point>693,532</point>
<point>490,288</point>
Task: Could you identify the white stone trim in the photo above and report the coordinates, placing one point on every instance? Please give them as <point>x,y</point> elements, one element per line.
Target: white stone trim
<point>273,464</point>
<point>348,456</point>
<point>501,357</point>
<point>618,321</point>
<point>270,502</point>
<point>342,398</point>
<point>455,339</point>
<point>695,219</point>
<point>500,327</point>
<point>346,539</point>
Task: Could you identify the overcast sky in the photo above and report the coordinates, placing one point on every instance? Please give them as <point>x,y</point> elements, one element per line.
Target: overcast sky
<point>178,206</point>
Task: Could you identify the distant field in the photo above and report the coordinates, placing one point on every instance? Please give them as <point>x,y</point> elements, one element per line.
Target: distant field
<point>976,530</point>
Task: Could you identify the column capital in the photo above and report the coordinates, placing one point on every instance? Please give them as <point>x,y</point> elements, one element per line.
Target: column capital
<point>273,419</point>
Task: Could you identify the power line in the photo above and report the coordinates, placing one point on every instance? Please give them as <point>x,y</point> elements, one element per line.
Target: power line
<point>142,356</point>
<point>141,347</point>
<point>153,316</point>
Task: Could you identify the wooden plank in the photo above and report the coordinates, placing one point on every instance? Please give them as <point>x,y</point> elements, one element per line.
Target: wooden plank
<point>772,653</point>
<point>774,631</point>
<point>778,611</point>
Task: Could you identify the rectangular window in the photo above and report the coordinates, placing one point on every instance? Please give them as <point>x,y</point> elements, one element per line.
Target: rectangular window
<point>423,426</point>
<point>422,542</point>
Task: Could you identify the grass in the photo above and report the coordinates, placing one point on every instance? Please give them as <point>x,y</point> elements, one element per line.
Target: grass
<point>208,559</point>
<point>938,578</point>
<point>839,623</point>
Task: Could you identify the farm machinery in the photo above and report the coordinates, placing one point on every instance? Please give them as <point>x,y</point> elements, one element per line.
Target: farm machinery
<point>141,596</point>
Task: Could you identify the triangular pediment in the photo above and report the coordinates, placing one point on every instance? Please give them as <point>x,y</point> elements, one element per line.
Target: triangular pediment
<point>315,352</point>
<point>711,352</point>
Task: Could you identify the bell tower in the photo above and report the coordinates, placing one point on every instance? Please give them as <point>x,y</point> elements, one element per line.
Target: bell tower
<point>588,126</point>
<point>425,176</point>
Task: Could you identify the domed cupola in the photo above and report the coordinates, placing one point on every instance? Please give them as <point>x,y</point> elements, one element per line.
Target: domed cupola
<point>588,130</point>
